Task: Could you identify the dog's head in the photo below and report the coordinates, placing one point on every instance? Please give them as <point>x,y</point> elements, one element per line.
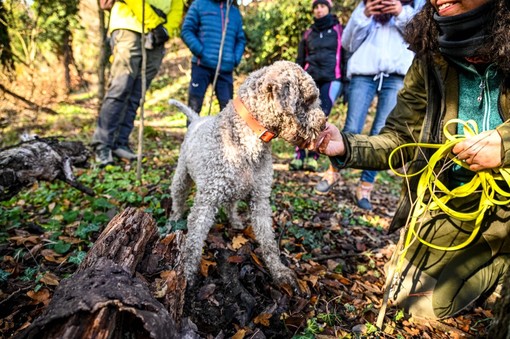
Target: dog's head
<point>285,100</point>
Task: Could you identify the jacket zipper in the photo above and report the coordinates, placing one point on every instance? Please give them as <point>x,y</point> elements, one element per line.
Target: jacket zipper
<point>482,88</point>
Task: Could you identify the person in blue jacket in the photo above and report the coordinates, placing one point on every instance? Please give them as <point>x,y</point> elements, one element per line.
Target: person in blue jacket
<point>202,32</point>
<point>319,53</point>
<point>380,59</point>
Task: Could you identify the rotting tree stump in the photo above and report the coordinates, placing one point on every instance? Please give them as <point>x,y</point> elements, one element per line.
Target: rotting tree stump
<point>130,285</point>
<point>46,159</point>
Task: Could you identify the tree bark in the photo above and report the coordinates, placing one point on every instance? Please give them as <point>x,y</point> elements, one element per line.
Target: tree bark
<point>103,53</point>
<point>45,159</point>
<point>113,293</point>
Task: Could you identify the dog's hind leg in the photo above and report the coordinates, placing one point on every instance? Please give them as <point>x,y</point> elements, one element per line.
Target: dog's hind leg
<point>200,221</point>
<point>263,229</point>
<point>181,184</point>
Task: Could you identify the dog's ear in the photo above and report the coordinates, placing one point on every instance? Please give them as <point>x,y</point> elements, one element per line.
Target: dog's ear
<point>276,86</point>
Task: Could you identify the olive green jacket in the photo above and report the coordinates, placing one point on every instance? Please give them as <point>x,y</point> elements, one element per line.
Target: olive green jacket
<point>428,99</point>
<point>127,14</point>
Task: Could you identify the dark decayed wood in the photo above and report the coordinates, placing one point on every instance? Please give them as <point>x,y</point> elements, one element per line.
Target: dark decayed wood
<point>130,285</point>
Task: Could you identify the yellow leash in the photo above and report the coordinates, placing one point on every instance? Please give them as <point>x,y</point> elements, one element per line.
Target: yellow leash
<point>484,181</point>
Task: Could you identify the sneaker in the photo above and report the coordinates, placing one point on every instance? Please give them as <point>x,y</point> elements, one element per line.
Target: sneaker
<point>104,156</point>
<point>311,165</point>
<point>124,152</point>
<point>362,195</point>
<point>329,179</point>
<point>296,165</point>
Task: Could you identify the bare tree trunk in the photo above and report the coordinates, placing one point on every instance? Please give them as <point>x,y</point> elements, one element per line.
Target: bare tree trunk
<point>113,294</point>
<point>67,61</point>
<point>103,53</point>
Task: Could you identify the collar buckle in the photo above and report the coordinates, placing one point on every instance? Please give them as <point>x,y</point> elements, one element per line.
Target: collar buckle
<point>266,136</point>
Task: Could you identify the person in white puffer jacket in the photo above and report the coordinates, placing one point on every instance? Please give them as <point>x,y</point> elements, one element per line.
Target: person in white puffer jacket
<point>380,59</point>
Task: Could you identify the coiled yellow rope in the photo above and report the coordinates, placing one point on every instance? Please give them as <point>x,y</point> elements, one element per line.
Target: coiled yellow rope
<point>484,182</point>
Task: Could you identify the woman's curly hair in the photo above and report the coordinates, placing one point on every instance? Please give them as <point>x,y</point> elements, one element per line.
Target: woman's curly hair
<point>422,33</point>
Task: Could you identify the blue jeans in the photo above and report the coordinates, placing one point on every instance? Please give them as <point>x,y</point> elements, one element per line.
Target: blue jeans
<point>201,78</point>
<point>122,99</point>
<point>329,92</point>
<point>362,90</point>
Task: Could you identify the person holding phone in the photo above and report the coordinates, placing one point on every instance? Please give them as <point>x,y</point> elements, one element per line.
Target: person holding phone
<point>380,59</point>
<point>320,55</point>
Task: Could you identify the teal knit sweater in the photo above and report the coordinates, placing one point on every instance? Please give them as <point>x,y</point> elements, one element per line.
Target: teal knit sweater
<point>478,101</point>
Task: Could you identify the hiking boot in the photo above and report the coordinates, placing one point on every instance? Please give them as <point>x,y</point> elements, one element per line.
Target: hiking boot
<point>104,156</point>
<point>124,152</point>
<point>362,195</point>
<point>329,179</point>
<point>296,165</point>
<point>311,165</point>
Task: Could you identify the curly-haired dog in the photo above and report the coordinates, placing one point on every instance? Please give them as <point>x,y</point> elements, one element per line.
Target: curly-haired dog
<point>228,156</point>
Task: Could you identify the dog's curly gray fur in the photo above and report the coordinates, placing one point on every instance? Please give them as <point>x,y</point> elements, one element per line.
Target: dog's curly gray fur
<point>228,162</point>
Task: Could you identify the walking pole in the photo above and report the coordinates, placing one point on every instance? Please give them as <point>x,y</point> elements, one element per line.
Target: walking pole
<point>142,100</point>
<point>220,55</point>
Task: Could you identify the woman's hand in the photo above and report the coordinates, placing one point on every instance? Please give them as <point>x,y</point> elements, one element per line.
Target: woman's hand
<point>482,151</point>
<point>375,7</point>
<point>329,142</point>
<point>393,7</point>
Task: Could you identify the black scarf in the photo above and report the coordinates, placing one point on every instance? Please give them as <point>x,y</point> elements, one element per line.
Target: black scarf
<point>323,23</point>
<point>461,35</point>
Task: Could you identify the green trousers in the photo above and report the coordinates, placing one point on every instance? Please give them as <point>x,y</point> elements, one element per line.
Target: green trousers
<point>438,283</point>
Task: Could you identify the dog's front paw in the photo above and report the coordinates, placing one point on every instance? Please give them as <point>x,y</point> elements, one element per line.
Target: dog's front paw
<point>286,277</point>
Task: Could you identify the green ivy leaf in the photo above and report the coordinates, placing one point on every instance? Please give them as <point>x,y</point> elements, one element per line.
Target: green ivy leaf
<point>61,247</point>
<point>77,257</point>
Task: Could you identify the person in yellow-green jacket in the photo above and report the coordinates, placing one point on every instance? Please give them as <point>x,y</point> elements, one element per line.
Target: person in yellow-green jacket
<point>121,101</point>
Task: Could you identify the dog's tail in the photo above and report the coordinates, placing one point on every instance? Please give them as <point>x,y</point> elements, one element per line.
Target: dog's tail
<point>191,114</point>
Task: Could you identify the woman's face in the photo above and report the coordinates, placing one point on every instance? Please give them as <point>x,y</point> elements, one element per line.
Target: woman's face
<point>456,7</point>
<point>320,10</point>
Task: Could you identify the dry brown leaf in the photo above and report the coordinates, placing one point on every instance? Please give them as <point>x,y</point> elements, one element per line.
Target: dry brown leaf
<point>312,279</point>
<point>50,279</point>
<point>239,334</point>
<point>343,280</point>
<point>41,296</point>
<point>248,231</point>
<point>170,277</point>
<point>204,266</point>
<point>168,239</point>
<point>263,319</point>
<point>256,259</point>
<point>70,240</point>
<point>235,259</point>
<point>21,240</point>
<point>303,286</point>
<point>238,241</point>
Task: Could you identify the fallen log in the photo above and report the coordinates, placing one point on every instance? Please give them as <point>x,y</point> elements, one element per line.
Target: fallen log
<point>114,292</point>
<point>46,159</point>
